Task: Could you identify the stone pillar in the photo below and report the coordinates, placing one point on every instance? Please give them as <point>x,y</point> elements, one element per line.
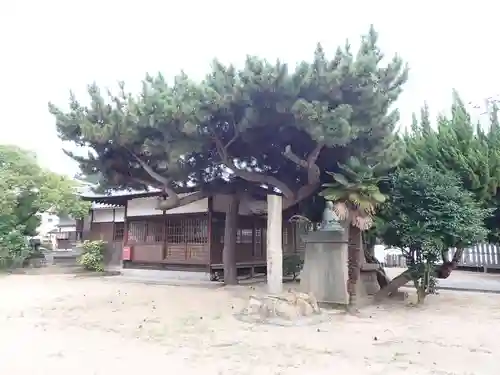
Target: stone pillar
<point>325,271</point>
<point>274,246</point>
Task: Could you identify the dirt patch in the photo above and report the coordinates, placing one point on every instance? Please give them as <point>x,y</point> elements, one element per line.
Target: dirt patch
<point>90,326</point>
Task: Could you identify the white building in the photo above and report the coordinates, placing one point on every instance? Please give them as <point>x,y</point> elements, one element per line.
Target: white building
<point>48,223</point>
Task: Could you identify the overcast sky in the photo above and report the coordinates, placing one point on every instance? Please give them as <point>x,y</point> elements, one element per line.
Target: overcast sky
<point>49,47</point>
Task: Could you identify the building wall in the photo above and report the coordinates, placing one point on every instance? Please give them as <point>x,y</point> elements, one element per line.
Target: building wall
<point>183,240</point>
<point>248,206</point>
<point>103,225</point>
<point>147,207</point>
<point>108,215</point>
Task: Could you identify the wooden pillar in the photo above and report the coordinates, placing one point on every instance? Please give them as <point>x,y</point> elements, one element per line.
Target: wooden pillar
<point>209,239</point>
<point>230,235</point>
<point>125,229</point>
<point>274,244</point>
<point>113,230</point>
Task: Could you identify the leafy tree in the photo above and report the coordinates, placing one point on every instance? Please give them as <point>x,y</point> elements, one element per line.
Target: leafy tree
<point>266,124</point>
<point>27,190</point>
<point>427,213</point>
<point>465,148</point>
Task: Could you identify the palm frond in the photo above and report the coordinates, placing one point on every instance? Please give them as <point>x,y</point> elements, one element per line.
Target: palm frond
<point>378,197</point>
<point>361,222</point>
<point>341,210</point>
<point>341,179</point>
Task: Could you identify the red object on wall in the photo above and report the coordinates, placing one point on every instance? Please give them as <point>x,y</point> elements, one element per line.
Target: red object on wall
<point>127,253</point>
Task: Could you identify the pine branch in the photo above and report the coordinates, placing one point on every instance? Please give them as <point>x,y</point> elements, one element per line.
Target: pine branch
<point>250,176</point>
<point>313,173</point>
<point>171,202</point>
<point>165,182</point>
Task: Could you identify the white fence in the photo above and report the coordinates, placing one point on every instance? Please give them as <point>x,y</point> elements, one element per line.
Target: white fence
<point>482,255</point>
<point>395,260</point>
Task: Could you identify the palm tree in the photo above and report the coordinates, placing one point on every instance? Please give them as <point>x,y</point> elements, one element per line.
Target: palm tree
<point>355,195</point>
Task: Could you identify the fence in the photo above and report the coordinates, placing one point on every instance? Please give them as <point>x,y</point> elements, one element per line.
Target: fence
<point>395,260</point>
<point>483,255</point>
<point>480,256</point>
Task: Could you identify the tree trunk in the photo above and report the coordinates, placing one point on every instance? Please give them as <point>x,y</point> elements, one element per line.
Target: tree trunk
<point>229,251</point>
<point>393,286</point>
<point>354,265</point>
<point>442,271</point>
<point>369,242</point>
<point>382,278</point>
<point>457,256</point>
<point>421,294</point>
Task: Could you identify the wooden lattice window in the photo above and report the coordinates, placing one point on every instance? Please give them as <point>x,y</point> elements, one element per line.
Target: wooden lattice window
<point>196,230</point>
<point>258,235</point>
<point>155,231</point>
<point>146,231</point>
<point>258,242</point>
<point>118,231</point>
<point>137,231</point>
<point>174,230</point>
<point>244,236</point>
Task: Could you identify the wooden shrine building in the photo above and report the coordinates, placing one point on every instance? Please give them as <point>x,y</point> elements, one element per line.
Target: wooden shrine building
<point>186,238</point>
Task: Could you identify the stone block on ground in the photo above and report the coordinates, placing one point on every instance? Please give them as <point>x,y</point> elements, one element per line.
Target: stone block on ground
<point>290,308</point>
<point>370,282</point>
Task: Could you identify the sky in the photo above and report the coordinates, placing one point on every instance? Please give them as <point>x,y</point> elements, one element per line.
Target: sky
<point>50,47</point>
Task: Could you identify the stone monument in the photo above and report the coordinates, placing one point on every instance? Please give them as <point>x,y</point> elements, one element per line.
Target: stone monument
<point>325,271</point>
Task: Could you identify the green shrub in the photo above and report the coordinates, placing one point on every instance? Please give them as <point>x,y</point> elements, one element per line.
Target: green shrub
<point>14,250</point>
<point>92,258</point>
<point>292,265</point>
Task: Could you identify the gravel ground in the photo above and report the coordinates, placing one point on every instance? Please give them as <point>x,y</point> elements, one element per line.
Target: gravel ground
<point>58,324</point>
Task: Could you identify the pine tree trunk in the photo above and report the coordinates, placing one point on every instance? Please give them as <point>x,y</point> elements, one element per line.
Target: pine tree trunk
<point>354,265</point>
<point>442,271</point>
<point>229,251</point>
<point>394,285</point>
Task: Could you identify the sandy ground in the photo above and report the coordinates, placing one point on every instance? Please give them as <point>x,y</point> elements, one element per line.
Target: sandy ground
<point>60,324</point>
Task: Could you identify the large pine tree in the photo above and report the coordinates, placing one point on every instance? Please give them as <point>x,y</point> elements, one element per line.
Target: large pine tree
<point>271,126</point>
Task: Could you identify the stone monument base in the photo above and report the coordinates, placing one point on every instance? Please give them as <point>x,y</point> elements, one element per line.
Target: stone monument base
<point>325,267</point>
